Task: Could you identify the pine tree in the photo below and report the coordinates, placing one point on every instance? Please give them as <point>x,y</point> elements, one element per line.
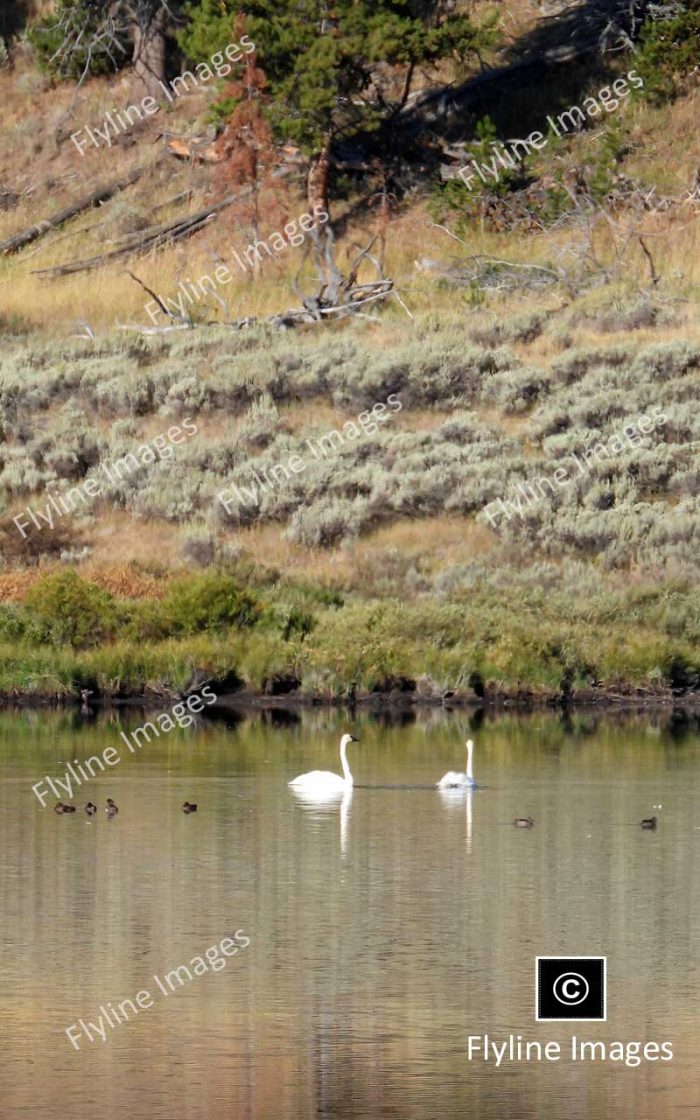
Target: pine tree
<point>84,37</point>
<point>321,59</point>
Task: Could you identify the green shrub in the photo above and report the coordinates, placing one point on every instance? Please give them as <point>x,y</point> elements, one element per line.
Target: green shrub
<point>207,601</point>
<point>13,623</point>
<point>669,52</point>
<point>65,40</point>
<point>456,196</point>
<point>297,623</point>
<point>611,149</point>
<point>64,609</point>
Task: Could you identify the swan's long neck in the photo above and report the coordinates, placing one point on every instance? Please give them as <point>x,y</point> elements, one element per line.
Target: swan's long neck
<point>470,752</point>
<point>344,760</point>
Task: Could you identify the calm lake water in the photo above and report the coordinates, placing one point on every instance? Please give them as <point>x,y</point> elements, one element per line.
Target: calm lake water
<point>384,929</point>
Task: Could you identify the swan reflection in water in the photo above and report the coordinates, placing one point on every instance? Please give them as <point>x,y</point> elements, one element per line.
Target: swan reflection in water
<point>321,805</point>
<point>453,798</point>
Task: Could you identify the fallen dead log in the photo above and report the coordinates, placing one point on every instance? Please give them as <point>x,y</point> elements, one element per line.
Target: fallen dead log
<point>315,311</point>
<point>336,297</point>
<point>153,238</point>
<point>101,194</point>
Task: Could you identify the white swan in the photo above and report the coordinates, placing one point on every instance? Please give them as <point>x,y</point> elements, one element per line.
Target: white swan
<point>325,782</point>
<point>453,780</point>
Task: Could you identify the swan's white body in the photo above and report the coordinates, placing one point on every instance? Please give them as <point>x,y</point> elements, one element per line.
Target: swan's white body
<point>322,783</point>
<point>454,780</point>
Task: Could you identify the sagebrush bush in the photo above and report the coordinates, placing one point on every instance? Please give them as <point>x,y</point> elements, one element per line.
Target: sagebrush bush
<point>475,423</point>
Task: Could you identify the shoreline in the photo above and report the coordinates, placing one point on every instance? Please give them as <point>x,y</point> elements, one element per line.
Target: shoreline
<point>495,701</point>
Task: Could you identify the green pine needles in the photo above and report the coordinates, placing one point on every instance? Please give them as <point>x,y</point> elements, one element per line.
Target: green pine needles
<point>320,59</point>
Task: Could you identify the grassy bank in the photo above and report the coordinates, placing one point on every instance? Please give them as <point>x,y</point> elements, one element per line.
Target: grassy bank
<point>281,638</point>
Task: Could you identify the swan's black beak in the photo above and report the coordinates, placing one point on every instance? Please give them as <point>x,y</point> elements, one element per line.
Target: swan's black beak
<point>354,739</point>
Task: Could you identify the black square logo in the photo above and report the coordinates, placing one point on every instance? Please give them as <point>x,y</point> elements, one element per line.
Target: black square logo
<point>571,988</point>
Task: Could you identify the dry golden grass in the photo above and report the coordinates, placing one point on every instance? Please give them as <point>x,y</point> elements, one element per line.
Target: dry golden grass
<point>117,536</point>
<point>438,542</point>
<point>324,416</point>
<point>50,176</point>
<point>215,426</point>
<point>124,582</point>
<point>662,154</point>
<point>543,350</point>
<point>14,585</point>
<point>509,425</point>
<point>108,296</point>
<point>441,541</point>
<point>266,545</point>
<point>134,560</point>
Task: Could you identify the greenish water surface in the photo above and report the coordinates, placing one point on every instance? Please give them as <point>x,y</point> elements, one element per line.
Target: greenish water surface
<point>385,927</point>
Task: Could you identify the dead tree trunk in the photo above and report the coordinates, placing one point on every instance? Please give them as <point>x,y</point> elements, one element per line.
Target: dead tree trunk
<point>318,180</point>
<point>317,190</point>
<point>149,52</point>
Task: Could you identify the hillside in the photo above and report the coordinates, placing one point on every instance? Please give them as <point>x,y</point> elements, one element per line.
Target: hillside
<point>484,484</point>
